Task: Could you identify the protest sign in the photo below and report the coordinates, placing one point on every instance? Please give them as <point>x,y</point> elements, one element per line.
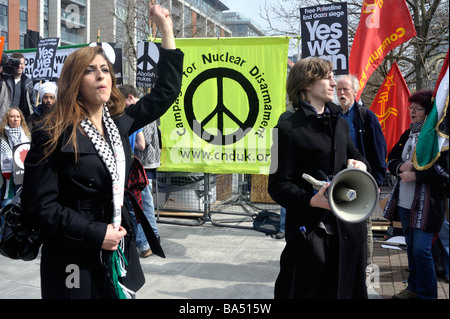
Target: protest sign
<point>19,154</point>
<point>112,49</point>
<point>324,34</point>
<point>147,68</point>
<point>44,59</point>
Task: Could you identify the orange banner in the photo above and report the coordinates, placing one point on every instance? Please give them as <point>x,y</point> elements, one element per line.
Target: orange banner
<point>2,43</point>
<point>383,26</point>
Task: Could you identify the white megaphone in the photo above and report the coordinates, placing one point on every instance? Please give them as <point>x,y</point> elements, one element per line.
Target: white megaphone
<point>352,194</point>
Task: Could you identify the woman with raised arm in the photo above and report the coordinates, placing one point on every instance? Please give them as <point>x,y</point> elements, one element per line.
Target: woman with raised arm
<point>76,169</point>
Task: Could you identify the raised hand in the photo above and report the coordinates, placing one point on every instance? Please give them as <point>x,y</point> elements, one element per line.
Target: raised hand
<point>161,17</point>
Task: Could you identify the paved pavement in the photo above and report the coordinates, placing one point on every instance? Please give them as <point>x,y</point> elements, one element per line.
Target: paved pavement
<point>393,274</point>
<point>211,262</point>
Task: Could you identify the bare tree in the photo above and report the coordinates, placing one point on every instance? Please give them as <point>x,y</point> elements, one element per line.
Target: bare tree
<point>134,25</point>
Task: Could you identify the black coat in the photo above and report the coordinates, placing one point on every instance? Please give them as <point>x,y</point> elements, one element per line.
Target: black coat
<point>307,144</point>
<point>371,142</point>
<point>71,202</point>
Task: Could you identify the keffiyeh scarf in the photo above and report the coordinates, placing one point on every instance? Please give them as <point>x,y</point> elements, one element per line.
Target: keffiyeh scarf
<point>14,136</point>
<point>412,140</point>
<point>114,160</point>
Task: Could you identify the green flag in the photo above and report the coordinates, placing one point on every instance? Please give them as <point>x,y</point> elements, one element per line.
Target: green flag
<point>433,137</point>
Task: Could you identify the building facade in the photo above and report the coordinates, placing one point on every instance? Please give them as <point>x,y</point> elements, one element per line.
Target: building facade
<point>16,17</point>
<point>240,25</point>
<point>117,21</point>
<point>82,21</point>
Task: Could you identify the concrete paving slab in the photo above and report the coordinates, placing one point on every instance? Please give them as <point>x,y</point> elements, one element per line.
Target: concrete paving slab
<point>202,262</point>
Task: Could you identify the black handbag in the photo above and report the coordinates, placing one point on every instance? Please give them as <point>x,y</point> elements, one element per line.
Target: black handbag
<point>19,239</point>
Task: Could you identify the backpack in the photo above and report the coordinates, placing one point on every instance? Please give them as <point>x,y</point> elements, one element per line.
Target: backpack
<point>266,222</point>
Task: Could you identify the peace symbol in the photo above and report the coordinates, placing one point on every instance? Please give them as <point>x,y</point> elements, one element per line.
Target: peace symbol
<point>221,110</point>
<point>149,56</point>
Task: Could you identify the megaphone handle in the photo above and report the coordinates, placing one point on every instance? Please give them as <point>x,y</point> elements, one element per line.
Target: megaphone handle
<point>314,182</point>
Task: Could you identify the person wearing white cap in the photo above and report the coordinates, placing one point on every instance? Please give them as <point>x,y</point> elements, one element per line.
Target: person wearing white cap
<point>47,93</point>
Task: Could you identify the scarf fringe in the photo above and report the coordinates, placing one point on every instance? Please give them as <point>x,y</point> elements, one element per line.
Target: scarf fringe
<point>8,189</point>
<point>127,293</point>
<point>117,271</point>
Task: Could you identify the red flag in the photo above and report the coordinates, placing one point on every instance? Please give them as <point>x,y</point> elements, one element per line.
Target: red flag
<point>391,106</point>
<point>383,25</point>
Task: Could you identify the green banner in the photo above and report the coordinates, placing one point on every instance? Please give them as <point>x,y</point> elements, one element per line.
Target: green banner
<point>233,92</point>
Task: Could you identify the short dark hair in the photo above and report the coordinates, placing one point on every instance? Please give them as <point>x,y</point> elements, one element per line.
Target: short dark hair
<point>423,98</point>
<point>127,89</point>
<point>17,55</point>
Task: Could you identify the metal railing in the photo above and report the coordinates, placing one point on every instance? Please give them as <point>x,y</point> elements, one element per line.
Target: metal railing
<point>229,200</point>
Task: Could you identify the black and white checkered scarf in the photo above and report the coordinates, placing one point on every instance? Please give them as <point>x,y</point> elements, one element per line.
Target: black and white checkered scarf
<point>14,136</point>
<point>114,160</point>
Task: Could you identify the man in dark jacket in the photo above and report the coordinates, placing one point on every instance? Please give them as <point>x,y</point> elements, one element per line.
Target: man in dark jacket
<point>24,96</point>
<point>326,260</point>
<point>6,87</point>
<point>366,133</point>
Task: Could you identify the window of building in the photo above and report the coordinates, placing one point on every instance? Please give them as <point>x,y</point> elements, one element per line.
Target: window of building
<point>23,22</point>
<point>187,22</point>
<point>46,26</point>
<point>24,5</point>
<point>3,17</point>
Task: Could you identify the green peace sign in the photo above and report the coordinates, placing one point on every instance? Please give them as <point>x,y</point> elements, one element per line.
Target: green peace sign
<point>220,109</point>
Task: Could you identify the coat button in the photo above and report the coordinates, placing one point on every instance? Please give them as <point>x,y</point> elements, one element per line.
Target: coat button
<point>91,182</point>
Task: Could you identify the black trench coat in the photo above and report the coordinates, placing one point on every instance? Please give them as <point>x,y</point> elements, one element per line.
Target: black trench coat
<point>71,202</point>
<point>307,144</point>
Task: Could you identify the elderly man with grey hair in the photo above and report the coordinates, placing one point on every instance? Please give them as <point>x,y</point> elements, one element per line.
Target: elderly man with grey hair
<point>367,136</point>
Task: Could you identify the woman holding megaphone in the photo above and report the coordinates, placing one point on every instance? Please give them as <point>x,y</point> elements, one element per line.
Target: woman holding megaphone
<point>325,256</point>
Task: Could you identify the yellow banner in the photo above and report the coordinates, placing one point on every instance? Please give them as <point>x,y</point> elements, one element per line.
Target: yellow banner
<point>232,94</point>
